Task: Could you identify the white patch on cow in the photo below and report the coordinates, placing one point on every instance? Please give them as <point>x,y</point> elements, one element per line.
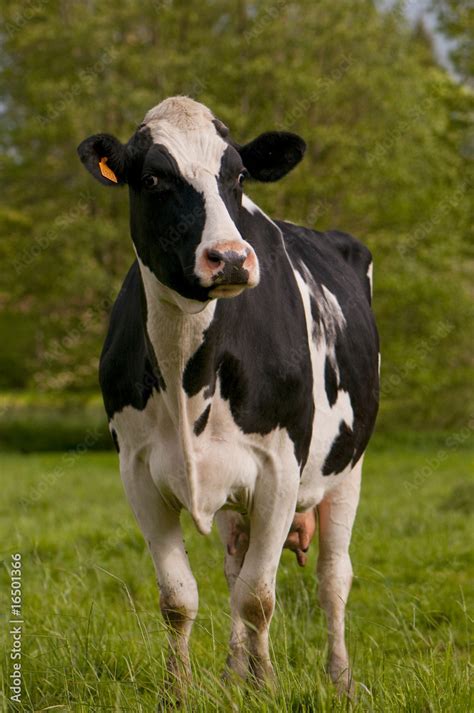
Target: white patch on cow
<point>331,310</point>
<point>370,271</point>
<point>254,209</point>
<point>181,111</point>
<point>250,206</point>
<point>218,226</point>
<point>314,485</point>
<point>205,472</point>
<point>331,317</point>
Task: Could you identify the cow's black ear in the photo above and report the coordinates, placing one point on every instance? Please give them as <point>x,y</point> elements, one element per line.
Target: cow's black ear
<point>104,156</point>
<point>272,155</point>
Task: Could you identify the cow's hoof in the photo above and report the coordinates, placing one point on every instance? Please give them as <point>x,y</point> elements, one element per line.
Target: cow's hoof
<point>169,704</point>
<point>346,687</point>
<point>341,676</point>
<point>176,686</point>
<point>261,674</point>
<point>236,668</point>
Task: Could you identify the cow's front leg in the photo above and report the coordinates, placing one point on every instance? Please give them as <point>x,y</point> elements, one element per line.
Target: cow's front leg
<point>336,518</point>
<point>253,596</point>
<point>234,534</point>
<point>161,529</point>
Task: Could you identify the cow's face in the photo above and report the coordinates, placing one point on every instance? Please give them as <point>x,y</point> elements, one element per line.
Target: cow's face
<point>185,178</point>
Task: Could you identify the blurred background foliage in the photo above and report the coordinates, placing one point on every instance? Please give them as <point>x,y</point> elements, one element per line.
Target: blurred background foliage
<point>390,159</point>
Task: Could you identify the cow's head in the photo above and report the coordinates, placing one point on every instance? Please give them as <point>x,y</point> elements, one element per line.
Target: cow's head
<point>185,177</point>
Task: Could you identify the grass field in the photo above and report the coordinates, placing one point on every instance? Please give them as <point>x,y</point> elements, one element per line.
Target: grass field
<point>93,639</point>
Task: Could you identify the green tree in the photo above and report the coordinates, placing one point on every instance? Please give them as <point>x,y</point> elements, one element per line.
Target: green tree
<point>456,22</point>
<point>386,160</point>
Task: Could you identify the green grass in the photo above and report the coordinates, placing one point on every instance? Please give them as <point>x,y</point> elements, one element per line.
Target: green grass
<point>93,639</point>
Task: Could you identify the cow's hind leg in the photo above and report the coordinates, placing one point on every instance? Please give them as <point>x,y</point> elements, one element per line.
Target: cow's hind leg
<point>161,529</point>
<point>234,535</point>
<point>336,518</point>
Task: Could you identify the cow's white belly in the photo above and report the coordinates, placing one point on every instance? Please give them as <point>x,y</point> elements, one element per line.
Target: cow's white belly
<point>221,466</point>
<point>202,473</point>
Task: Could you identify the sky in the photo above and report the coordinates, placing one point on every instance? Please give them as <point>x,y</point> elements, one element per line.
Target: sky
<point>416,9</point>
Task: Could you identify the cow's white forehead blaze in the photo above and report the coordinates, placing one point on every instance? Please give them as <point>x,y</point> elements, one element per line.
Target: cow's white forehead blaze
<point>182,112</point>
<point>185,127</point>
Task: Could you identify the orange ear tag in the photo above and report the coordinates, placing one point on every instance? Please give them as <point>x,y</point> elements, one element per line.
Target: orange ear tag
<point>106,171</point>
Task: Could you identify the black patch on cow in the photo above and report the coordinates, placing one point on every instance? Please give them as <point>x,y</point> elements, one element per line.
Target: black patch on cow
<point>340,262</point>
<point>129,371</point>
<point>160,162</point>
<point>167,222</point>
<point>246,346</point>
<point>230,190</point>
<point>330,382</point>
<point>113,433</point>
<point>200,370</point>
<point>342,451</point>
<point>201,423</point>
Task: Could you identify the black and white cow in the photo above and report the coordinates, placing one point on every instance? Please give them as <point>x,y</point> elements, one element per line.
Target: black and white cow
<point>239,373</point>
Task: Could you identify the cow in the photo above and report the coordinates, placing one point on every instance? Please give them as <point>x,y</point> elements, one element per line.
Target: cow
<point>239,375</point>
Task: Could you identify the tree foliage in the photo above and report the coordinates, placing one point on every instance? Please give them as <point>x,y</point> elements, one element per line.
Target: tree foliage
<point>388,159</point>
<point>456,21</point>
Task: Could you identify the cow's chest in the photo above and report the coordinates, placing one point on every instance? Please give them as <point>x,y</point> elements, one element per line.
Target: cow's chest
<point>195,460</point>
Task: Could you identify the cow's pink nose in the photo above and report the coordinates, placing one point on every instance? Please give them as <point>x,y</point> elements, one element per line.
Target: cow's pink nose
<point>229,264</point>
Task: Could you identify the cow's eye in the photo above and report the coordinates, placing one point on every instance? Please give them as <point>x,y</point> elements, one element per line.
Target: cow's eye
<point>242,176</point>
<point>150,181</point>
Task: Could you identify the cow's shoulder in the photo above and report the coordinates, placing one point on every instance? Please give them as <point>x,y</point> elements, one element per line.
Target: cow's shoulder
<point>333,245</point>
<point>128,370</point>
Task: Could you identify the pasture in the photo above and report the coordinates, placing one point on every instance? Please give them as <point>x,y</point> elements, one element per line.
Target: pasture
<point>93,638</point>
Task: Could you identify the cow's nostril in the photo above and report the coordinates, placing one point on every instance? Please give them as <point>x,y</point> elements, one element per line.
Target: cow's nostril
<point>214,256</point>
<point>234,259</point>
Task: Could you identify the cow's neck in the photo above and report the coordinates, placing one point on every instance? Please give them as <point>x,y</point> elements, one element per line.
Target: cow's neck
<point>175,335</point>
